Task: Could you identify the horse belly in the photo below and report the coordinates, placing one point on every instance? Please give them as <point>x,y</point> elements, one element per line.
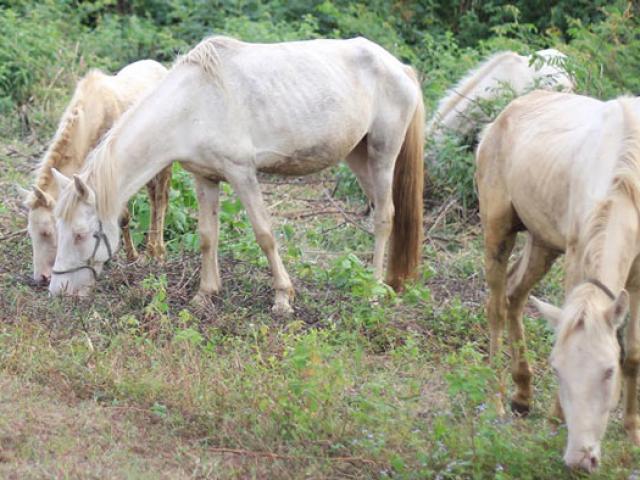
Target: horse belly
<point>540,194</point>
<point>303,161</point>
<point>543,223</point>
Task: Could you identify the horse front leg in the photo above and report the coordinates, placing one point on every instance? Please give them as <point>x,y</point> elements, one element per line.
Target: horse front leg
<point>245,184</point>
<point>208,193</point>
<point>535,262</point>
<point>158,189</point>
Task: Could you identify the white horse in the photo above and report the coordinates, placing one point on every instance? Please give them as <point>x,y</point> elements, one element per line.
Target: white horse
<point>459,111</point>
<point>98,101</point>
<point>566,169</point>
<point>229,109</point>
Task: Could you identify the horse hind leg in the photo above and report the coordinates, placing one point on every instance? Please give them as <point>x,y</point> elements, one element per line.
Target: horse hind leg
<point>499,222</point>
<point>357,162</point>
<point>158,189</point>
<point>127,241</point>
<point>535,262</point>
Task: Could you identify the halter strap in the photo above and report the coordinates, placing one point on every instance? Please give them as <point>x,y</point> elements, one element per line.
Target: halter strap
<point>619,335</point>
<point>601,286</point>
<point>100,236</point>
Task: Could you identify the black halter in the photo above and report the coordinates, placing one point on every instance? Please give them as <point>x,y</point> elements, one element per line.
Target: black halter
<point>100,236</point>
<point>601,286</point>
<point>609,293</point>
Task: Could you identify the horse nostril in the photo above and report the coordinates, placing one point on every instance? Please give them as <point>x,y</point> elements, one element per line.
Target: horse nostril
<point>594,462</point>
<point>45,279</point>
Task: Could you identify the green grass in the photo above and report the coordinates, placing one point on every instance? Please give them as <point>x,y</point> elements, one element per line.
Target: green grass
<point>135,382</point>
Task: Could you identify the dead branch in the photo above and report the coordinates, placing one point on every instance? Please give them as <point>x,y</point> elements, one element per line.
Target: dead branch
<point>279,456</point>
<point>343,213</point>
<point>13,234</point>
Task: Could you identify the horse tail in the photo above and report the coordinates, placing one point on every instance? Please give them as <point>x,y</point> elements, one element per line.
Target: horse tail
<point>465,92</point>
<point>405,245</point>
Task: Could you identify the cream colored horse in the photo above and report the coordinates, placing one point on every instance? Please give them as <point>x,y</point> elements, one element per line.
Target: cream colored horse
<point>98,101</point>
<point>566,169</point>
<point>230,109</point>
<point>458,111</point>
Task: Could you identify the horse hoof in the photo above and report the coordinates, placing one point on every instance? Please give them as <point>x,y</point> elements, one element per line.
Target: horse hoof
<point>203,300</point>
<point>519,409</point>
<point>282,310</point>
<point>133,257</point>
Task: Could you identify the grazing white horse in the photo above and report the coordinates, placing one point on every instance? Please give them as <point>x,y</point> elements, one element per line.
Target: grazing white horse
<point>458,111</point>
<point>98,101</point>
<point>566,169</point>
<point>228,110</point>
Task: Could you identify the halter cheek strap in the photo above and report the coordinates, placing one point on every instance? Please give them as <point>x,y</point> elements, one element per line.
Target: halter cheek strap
<point>609,293</point>
<point>601,286</point>
<point>100,236</point>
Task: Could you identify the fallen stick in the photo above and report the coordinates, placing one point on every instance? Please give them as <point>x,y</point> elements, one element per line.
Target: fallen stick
<point>13,234</point>
<point>278,456</point>
<point>307,213</point>
<point>344,214</point>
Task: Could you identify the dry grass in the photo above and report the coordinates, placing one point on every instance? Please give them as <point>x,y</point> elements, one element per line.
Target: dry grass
<point>130,384</point>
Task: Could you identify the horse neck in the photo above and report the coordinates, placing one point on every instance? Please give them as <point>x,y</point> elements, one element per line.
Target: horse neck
<point>136,152</point>
<point>79,133</point>
<point>611,251</point>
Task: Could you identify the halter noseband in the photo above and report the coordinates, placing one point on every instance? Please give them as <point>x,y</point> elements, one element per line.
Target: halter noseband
<point>100,236</point>
<point>601,286</point>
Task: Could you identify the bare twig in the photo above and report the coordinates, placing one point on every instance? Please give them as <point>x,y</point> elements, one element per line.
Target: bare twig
<point>279,456</point>
<point>13,234</point>
<point>307,213</point>
<point>442,212</point>
<point>343,213</point>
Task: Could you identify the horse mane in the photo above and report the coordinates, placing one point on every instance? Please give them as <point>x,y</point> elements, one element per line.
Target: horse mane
<point>206,55</point>
<point>582,300</point>
<point>58,155</point>
<point>100,175</point>
<point>468,83</point>
<point>625,182</point>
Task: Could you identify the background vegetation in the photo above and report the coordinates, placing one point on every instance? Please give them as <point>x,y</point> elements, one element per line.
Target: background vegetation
<point>361,383</point>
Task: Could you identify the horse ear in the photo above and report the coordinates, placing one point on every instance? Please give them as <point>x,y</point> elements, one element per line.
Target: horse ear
<point>616,313</point>
<point>84,192</point>
<point>551,313</point>
<point>61,179</point>
<point>26,196</point>
<point>42,199</point>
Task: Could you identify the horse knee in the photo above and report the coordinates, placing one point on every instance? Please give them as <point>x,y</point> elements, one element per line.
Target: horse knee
<point>631,363</point>
<point>205,244</point>
<point>266,241</point>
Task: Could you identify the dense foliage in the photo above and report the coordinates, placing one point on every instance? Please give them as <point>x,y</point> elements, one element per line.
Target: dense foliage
<point>46,45</point>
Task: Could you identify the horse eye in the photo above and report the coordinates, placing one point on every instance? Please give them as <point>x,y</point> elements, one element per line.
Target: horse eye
<point>45,234</point>
<point>608,373</point>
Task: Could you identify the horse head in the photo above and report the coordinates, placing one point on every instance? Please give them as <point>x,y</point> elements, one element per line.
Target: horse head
<point>86,243</point>
<point>585,359</point>
<point>41,228</point>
